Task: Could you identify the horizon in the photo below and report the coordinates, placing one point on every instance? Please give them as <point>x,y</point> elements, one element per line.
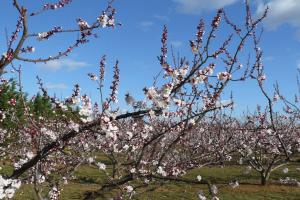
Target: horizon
<point>136,44</point>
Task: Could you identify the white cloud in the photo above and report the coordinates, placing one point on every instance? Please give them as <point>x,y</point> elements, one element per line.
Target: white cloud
<point>68,64</point>
<point>281,12</point>
<point>298,65</point>
<point>57,86</point>
<point>198,6</point>
<point>176,43</point>
<point>146,25</point>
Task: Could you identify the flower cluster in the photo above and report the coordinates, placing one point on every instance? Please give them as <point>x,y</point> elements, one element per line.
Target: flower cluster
<point>164,49</point>
<point>224,76</point>
<point>46,35</point>
<point>60,4</point>
<point>200,32</point>
<point>54,193</point>
<point>107,20</point>
<point>289,181</point>
<point>8,187</point>
<point>234,184</point>
<point>261,78</point>
<point>12,102</point>
<point>161,171</point>
<point>160,98</point>
<point>129,188</point>
<point>2,116</point>
<point>109,128</point>
<point>74,99</point>
<point>92,76</point>
<point>8,56</point>
<point>216,21</point>
<point>202,75</point>
<point>201,195</point>
<point>86,110</point>
<point>102,67</point>
<point>196,45</point>
<point>83,25</point>
<point>101,166</point>
<point>49,133</point>
<point>115,83</point>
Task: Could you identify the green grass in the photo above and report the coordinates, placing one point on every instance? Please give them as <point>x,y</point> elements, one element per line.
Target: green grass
<point>248,190</point>
<point>222,175</point>
<point>244,192</point>
<point>89,178</point>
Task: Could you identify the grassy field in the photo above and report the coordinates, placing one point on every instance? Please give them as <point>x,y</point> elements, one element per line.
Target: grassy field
<point>88,177</point>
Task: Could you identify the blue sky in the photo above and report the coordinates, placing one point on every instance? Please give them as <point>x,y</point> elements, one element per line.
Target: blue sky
<point>136,44</point>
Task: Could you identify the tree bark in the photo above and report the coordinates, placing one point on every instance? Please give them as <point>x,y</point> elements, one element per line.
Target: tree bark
<point>264,178</point>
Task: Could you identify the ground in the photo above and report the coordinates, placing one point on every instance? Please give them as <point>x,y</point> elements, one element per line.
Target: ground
<point>88,177</point>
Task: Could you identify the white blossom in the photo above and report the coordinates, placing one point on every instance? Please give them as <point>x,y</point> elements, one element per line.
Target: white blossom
<point>129,188</point>
<point>214,189</point>
<point>201,195</point>
<point>223,76</point>
<point>54,193</point>
<point>234,184</point>
<point>8,187</point>
<point>41,36</point>
<point>199,178</point>
<point>101,166</point>
<point>103,20</point>
<point>285,170</point>
<point>74,126</point>
<point>161,171</point>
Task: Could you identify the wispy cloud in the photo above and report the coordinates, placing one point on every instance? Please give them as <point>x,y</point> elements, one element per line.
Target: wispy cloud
<point>146,25</point>
<point>161,18</point>
<point>176,43</point>
<point>198,6</point>
<point>223,103</point>
<point>281,12</point>
<point>269,58</point>
<point>67,64</point>
<point>57,86</point>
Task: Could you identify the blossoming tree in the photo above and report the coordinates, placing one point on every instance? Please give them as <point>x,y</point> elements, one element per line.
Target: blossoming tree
<point>168,133</point>
<point>269,139</point>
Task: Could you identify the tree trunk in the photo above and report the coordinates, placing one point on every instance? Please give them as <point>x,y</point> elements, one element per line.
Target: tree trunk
<point>264,178</point>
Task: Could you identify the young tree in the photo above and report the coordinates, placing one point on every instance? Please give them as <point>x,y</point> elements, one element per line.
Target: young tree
<point>268,139</point>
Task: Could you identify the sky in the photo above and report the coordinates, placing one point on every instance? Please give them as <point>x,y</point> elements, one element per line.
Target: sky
<point>136,44</point>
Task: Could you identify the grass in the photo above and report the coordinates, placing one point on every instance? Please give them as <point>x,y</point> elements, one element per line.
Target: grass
<point>90,178</point>
<point>248,190</point>
<point>244,192</point>
<point>222,175</point>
